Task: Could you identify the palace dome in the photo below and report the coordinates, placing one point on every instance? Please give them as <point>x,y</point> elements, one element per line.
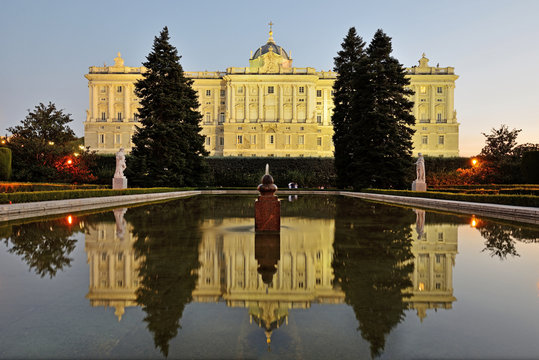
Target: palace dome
<point>274,47</point>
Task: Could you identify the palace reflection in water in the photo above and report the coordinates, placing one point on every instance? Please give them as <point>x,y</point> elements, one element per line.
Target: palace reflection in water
<point>271,274</point>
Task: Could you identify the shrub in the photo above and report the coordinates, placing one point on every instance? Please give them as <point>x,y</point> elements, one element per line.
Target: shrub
<point>530,167</point>
<point>5,163</point>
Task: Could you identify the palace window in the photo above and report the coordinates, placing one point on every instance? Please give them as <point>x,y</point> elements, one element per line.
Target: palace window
<point>103,89</point>
<point>301,139</point>
<point>221,118</point>
<point>119,89</point>
<point>440,236</point>
<point>135,117</point>
<point>208,92</point>
<point>101,138</point>
<point>301,89</point>
<point>208,141</point>
<point>423,89</point>
<point>221,141</point>
<point>223,93</point>
<point>208,117</point>
<point>287,140</point>
<point>240,90</point>
<point>441,139</point>
<point>271,139</point>
<point>120,256</point>
<point>271,89</point>
<point>253,139</point>
<point>318,93</point>
<point>301,100</point>
<point>439,117</point>
<point>118,139</point>
<point>332,92</point>
<point>119,116</point>
<point>424,139</point>
<point>439,90</point>
<point>103,116</point>
<point>319,118</point>
<point>319,141</point>
<point>240,139</point>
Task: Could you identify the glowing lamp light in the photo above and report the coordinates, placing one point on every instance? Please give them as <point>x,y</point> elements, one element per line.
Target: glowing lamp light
<point>51,143</point>
<point>473,223</point>
<point>69,162</point>
<point>81,147</point>
<point>70,220</point>
<point>3,141</point>
<point>475,162</point>
<point>421,286</point>
<point>76,154</point>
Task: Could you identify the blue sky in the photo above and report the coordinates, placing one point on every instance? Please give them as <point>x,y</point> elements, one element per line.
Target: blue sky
<point>46,47</point>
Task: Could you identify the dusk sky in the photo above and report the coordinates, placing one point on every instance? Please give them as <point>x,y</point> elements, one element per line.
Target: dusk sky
<point>46,47</point>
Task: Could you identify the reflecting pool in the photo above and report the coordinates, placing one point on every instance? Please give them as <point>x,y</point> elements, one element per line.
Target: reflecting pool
<point>344,278</point>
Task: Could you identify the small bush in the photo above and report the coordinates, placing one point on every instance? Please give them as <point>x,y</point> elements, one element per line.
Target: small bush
<point>5,163</point>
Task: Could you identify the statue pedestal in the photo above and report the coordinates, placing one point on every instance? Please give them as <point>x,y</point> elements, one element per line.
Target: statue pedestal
<point>419,186</point>
<point>119,183</point>
<point>267,213</point>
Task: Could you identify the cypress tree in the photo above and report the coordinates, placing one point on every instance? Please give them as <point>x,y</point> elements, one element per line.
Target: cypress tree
<point>168,147</point>
<point>385,132</point>
<point>347,66</point>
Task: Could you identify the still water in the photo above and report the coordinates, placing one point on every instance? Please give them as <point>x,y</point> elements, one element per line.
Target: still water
<point>344,279</point>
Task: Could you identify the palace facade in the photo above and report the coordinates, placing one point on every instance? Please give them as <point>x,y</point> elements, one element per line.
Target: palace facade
<point>267,109</point>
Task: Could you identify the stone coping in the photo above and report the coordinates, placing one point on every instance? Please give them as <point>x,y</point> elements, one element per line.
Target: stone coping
<point>43,208</point>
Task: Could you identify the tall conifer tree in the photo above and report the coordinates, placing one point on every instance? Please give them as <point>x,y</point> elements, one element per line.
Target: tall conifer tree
<point>373,140</point>
<point>168,147</point>
<point>347,65</point>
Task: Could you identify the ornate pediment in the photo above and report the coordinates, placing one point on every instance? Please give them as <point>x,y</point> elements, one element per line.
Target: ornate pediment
<point>272,63</point>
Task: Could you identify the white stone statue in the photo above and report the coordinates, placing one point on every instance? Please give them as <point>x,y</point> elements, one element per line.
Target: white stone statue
<point>120,164</point>
<point>120,222</point>
<point>420,168</point>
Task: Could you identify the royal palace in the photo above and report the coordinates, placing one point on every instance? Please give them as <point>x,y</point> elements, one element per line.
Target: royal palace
<point>267,109</point>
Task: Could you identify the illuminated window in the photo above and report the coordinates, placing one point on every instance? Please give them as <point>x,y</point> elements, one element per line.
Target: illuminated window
<point>424,139</point>
<point>240,139</point>
<point>301,139</point>
<point>423,89</point>
<point>318,93</point>
<point>270,89</point>
<point>208,92</point>
<point>301,89</point>
<point>319,141</point>
<point>441,139</point>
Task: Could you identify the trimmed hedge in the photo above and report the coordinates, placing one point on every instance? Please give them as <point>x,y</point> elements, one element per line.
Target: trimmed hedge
<point>517,200</point>
<point>247,171</point>
<point>12,187</point>
<point>5,163</point>
<point>22,197</point>
<point>530,167</point>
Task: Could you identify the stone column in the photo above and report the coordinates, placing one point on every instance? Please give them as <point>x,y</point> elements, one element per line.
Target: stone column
<point>228,101</point>
<point>450,103</point>
<point>416,102</point>
<point>432,89</point>
<point>95,271</point>
<point>325,99</point>
<point>111,102</point>
<point>310,103</point>
<point>111,268</point>
<point>94,99</point>
<point>294,104</point>
<point>127,104</point>
<point>431,272</point>
<point>293,271</point>
<point>127,270</point>
<point>280,117</point>
<point>260,103</point>
<point>246,104</point>
<point>233,107</point>
<point>216,102</point>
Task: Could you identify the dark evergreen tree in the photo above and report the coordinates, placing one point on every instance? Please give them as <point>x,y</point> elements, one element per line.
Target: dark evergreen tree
<point>373,264</point>
<point>168,147</point>
<point>376,148</point>
<point>348,64</point>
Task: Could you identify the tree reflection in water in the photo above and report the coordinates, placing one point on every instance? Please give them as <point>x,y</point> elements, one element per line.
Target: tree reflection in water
<point>168,236</point>
<point>44,245</point>
<point>500,237</point>
<point>373,264</point>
